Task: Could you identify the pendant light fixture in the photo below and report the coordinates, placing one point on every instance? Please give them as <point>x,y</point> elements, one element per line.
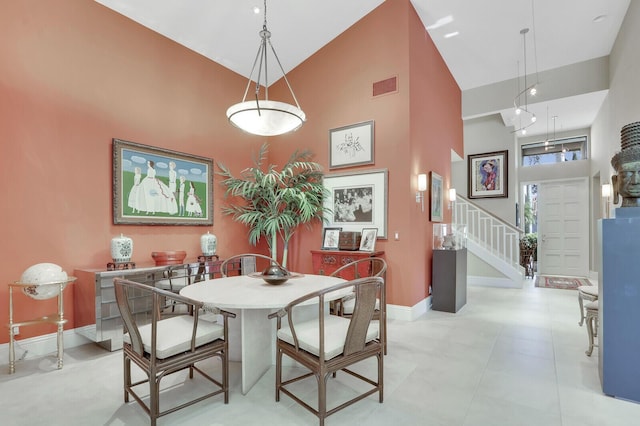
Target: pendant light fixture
<point>264,117</point>
<point>526,118</point>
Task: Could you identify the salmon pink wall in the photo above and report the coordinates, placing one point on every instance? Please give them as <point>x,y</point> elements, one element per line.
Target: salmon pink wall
<point>415,129</point>
<point>436,129</point>
<point>74,75</point>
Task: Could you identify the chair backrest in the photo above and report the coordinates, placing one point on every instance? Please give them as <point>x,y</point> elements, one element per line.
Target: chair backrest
<point>122,288</point>
<point>360,268</point>
<point>247,262</point>
<point>367,291</point>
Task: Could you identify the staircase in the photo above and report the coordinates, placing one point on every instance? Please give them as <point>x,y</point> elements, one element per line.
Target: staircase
<point>490,238</point>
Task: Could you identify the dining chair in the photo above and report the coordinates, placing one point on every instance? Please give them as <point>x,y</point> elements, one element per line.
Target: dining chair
<point>166,346</point>
<point>330,343</point>
<point>365,267</point>
<point>243,264</point>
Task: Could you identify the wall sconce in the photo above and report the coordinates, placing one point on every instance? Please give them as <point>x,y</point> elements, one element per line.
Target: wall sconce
<point>452,197</point>
<point>606,194</point>
<point>422,186</point>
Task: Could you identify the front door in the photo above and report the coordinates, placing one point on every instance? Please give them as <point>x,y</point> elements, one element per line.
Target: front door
<point>563,227</point>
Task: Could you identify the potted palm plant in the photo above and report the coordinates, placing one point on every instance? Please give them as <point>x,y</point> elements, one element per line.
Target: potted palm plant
<point>272,203</point>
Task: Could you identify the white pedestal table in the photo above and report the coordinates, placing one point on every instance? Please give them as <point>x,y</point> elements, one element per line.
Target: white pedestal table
<point>253,300</point>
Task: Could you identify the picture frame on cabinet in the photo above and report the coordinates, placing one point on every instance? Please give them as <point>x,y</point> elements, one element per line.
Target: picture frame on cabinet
<point>488,175</point>
<point>436,198</point>
<point>357,200</point>
<point>331,238</point>
<point>368,240</point>
<point>351,145</point>
<point>156,186</point>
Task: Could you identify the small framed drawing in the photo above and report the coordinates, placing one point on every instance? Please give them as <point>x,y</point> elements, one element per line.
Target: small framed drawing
<point>331,238</point>
<point>351,145</point>
<point>437,202</point>
<point>368,240</point>
<point>488,175</point>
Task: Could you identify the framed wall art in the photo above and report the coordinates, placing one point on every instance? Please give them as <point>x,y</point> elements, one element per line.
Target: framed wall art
<point>331,238</point>
<point>357,200</point>
<point>154,186</point>
<point>436,198</point>
<point>488,175</point>
<point>351,145</point>
<point>368,240</point>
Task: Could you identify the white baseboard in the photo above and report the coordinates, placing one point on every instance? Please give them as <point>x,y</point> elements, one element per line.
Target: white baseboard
<point>408,313</point>
<point>493,282</point>
<point>36,347</point>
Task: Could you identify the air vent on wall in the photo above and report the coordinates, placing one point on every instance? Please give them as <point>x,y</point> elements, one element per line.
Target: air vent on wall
<point>382,87</point>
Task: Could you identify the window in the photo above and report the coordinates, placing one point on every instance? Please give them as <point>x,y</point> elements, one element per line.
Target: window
<point>554,151</point>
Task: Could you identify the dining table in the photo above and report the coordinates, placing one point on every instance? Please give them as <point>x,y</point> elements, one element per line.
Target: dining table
<point>251,333</point>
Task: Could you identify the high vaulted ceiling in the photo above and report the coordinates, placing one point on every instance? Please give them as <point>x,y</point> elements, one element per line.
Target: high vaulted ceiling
<point>487,49</point>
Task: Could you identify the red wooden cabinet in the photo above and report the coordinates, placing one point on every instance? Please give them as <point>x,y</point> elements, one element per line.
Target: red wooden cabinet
<point>327,261</point>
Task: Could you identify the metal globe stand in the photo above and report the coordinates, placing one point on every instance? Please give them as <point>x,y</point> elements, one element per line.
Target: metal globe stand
<point>56,318</point>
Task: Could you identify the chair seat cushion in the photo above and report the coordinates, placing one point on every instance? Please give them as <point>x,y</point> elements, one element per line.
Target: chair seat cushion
<point>335,334</point>
<point>347,306</point>
<point>591,290</point>
<point>174,335</point>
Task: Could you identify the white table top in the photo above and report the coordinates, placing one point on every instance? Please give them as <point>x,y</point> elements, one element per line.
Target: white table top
<point>245,292</point>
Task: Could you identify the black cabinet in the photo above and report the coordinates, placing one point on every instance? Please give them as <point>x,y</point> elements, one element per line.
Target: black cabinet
<point>449,280</point>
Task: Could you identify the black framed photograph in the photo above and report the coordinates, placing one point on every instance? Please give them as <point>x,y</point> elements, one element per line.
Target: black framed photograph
<point>357,200</point>
<point>368,240</point>
<point>351,145</point>
<point>331,238</point>
<point>488,175</point>
<point>436,198</point>
<point>155,186</point>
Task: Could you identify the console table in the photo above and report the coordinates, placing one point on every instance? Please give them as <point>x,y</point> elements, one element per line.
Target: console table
<point>327,261</point>
<point>96,312</point>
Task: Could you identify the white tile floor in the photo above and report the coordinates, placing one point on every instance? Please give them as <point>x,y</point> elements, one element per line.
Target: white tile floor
<point>509,357</point>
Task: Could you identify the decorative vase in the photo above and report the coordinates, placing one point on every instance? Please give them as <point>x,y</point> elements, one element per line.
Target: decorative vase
<point>163,258</point>
<point>121,249</point>
<point>209,244</point>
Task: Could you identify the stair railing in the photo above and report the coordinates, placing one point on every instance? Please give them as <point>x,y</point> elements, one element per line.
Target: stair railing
<point>489,231</point>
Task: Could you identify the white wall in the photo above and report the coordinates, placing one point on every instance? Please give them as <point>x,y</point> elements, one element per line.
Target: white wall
<point>482,135</point>
<point>623,102</point>
<point>621,107</point>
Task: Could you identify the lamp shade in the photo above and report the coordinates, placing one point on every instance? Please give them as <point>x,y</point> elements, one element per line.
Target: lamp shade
<point>265,117</point>
<point>452,194</point>
<point>422,182</point>
<point>606,190</point>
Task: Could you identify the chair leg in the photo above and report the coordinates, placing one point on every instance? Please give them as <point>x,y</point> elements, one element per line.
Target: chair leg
<point>322,397</point>
<point>278,373</point>
<point>225,374</point>
<point>581,303</point>
<point>590,321</point>
<point>154,399</point>
<point>127,378</point>
<point>381,377</point>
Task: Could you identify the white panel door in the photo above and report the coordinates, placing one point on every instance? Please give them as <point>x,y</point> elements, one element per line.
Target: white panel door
<point>563,228</point>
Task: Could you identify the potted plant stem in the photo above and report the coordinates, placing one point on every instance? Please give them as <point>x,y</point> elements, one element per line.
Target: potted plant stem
<point>275,203</point>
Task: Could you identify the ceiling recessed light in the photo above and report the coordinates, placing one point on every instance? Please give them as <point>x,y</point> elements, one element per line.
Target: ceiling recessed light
<point>256,9</point>
<point>453,34</point>
<point>599,18</point>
